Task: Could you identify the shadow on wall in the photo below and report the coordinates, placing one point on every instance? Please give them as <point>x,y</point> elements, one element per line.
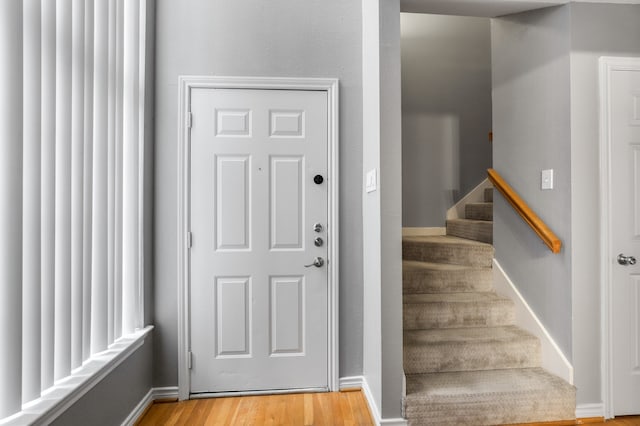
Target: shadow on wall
<point>431,167</point>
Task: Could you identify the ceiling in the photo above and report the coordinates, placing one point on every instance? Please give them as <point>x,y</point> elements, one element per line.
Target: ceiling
<point>486,8</point>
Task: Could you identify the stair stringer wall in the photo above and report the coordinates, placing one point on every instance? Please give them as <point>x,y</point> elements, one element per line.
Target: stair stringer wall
<point>553,360</point>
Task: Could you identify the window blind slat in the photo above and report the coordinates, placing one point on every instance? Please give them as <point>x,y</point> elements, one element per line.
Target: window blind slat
<point>87,180</point>
<point>130,166</point>
<point>48,188</point>
<point>142,41</point>
<point>62,327</point>
<point>99,272</point>
<point>11,206</point>
<point>31,202</point>
<point>111,170</point>
<point>77,175</point>
<point>118,171</point>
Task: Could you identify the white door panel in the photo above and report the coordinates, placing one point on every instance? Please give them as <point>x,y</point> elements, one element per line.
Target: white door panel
<point>259,317</point>
<point>625,178</point>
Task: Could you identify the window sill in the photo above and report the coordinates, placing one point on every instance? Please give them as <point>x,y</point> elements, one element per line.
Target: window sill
<point>57,399</point>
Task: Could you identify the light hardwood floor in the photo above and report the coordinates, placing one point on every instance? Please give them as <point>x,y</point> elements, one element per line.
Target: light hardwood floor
<point>330,409</point>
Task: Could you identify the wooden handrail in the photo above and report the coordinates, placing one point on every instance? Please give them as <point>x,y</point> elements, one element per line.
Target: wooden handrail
<point>532,219</point>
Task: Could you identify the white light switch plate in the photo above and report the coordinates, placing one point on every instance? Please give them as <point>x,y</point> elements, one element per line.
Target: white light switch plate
<point>372,180</point>
<point>546,179</point>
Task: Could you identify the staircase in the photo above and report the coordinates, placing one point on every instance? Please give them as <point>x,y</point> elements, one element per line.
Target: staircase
<point>465,361</point>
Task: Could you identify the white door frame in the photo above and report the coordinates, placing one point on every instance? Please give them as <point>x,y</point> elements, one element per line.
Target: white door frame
<point>608,64</point>
<point>186,84</point>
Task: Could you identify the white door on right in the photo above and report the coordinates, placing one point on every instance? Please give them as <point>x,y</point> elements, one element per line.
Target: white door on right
<point>625,216</point>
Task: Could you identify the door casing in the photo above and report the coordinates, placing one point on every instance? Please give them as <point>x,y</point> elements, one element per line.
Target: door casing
<point>607,66</point>
<point>186,84</point>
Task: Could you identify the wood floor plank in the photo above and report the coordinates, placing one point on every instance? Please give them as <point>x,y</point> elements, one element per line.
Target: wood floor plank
<point>312,409</point>
<point>343,408</point>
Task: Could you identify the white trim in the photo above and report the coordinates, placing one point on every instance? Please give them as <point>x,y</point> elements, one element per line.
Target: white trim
<point>585,411</point>
<point>139,409</point>
<point>373,408</point>
<point>475,196</point>
<point>423,232</point>
<point>168,392</point>
<point>153,395</point>
<point>553,359</point>
<point>186,84</point>
<point>57,399</point>
<point>351,382</point>
<point>607,66</point>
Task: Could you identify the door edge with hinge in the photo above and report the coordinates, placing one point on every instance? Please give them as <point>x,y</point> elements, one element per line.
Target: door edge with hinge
<point>185,123</point>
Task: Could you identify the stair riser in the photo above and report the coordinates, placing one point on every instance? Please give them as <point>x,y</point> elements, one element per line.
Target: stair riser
<point>455,315</point>
<point>463,356</point>
<point>477,231</point>
<point>447,281</point>
<point>479,212</point>
<point>488,195</point>
<point>477,256</point>
<point>542,407</point>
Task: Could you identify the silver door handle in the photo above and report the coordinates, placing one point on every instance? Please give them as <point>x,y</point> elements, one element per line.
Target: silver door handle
<point>317,262</point>
<point>626,260</point>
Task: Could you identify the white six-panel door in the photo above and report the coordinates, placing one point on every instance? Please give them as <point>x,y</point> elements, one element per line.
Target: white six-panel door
<point>625,216</point>
<point>258,316</point>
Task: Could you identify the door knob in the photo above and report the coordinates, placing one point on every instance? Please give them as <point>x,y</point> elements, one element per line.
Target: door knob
<point>317,262</point>
<point>626,260</point>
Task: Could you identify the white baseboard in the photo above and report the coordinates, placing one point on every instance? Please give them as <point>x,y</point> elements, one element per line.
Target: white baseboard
<point>169,392</point>
<point>139,410</point>
<point>423,232</point>
<point>585,411</point>
<point>553,360</point>
<point>154,394</point>
<point>361,382</point>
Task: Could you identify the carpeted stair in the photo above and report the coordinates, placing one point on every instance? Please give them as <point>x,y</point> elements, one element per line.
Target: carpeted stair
<point>465,361</point>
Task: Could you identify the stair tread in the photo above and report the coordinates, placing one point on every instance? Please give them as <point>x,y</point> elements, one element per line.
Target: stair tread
<point>488,335</point>
<point>418,265</point>
<point>481,203</point>
<point>488,383</point>
<point>447,240</point>
<point>478,222</point>
<point>427,277</point>
<point>470,297</point>
<point>489,397</point>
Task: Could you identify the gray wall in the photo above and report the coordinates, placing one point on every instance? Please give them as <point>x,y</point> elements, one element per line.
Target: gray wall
<point>531,123</point>
<point>446,112</point>
<point>597,30</point>
<point>111,401</point>
<point>255,38</point>
<point>382,208</point>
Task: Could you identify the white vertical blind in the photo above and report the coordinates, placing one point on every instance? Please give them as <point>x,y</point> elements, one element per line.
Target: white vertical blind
<point>142,41</point>
<point>48,145</point>
<point>118,170</point>
<point>87,180</point>
<point>111,170</point>
<point>10,206</point>
<point>99,272</point>
<point>72,82</point>
<point>130,165</point>
<point>31,202</point>
<point>62,326</point>
<point>77,175</point>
